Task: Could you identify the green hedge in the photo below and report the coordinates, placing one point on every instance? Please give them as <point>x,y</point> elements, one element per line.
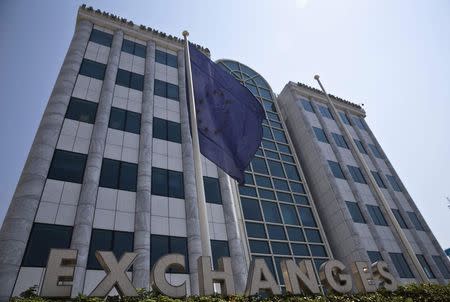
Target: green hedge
<point>407,293</point>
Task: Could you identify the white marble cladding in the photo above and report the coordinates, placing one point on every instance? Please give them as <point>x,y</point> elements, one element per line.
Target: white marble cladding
<point>216,221</point>
<point>87,88</point>
<point>167,155</point>
<point>96,52</point>
<point>127,99</point>
<point>164,72</point>
<point>58,202</point>
<point>209,168</point>
<point>122,145</point>
<point>168,216</point>
<point>166,109</point>
<point>28,277</point>
<point>115,210</point>
<point>75,136</point>
<point>131,62</point>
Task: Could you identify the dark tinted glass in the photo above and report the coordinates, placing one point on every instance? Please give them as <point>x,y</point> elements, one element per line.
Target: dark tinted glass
<point>172,91</point>
<point>219,249</point>
<point>133,122</point>
<point>259,166</point>
<point>336,169</point>
<point>139,50</point>
<point>286,197</point>
<point>415,221</point>
<point>426,267</point>
<point>374,256</point>
<point>101,240</point>
<point>174,132</point>
<point>137,81</point>
<point>295,234</point>
<point>67,166</point>
<point>110,173</point>
<point>266,194</point>
<point>284,148</point>
<point>160,88</point>
<point>299,249</point>
<point>356,174</point>
<point>318,250</point>
<point>122,243</point>
<point>244,190</point>
<point>212,190</point>
<point>44,237</point>
<point>359,122</point>
<point>360,146</point>
<point>291,171</point>
<point>267,133</point>
<point>306,217</point>
<point>92,69</point>
<point>355,212</point>
<point>442,266</point>
<point>159,182</point>
<point>289,214</point>
<point>263,181</point>
<point>271,154</point>
<point>255,230</point>
<point>248,179</point>
<point>378,179</point>
<point>251,209</point>
<point>81,110</point>
<point>128,176</point>
<point>276,232</point>
<point>375,151</point>
<point>287,158</point>
<point>178,245</point>
<point>279,136</point>
<point>172,60</point>
<point>399,218</point>
<point>128,46</point>
<point>320,135</point>
<point>123,78</point>
<point>275,168</point>
<point>176,187</point>
<point>159,128</point>
<point>393,181</point>
<point>377,215</point>
<point>307,105</point>
<point>160,56</point>
<point>101,37</point>
<point>260,247</point>
<point>340,140</point>
<point>344,118</point>
<point>117,119</point>
<point>271,213</point>
<point>159,247</point>
<point>401,265</point>
<point>280,248</point>
<point>269,145</point>
<point>281,184</point>
<point>313,235</point>
<point>297,187</point>
<point>301,199</point>
<point>325,111</point>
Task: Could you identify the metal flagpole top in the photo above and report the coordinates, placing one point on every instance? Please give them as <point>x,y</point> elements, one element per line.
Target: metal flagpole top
<point>316,77</point>
<point>185,33</point>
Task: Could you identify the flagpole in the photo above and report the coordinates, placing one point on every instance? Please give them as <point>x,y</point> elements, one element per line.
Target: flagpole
<point>201,200</point>
<point>373,183</point>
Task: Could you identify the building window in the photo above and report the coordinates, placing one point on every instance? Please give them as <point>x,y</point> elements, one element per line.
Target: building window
<point>263,181</point>
<point>291,172</point>
<point>100,37</point>
<point>93,69</point>
<point>271,212</point>
<point>295,234</point>
<point>289,214</point>
<point>401,265</point>
<point>124,120</point>
<point>107,240</point>
<point>133,48</point>
<point>118,175</point>
<point>359,122</point>
<point>81,110</point>
<point>377,215</point>
<point>325,111</point>
<point>415,221</point>
<point>163,245</point>
<point>255,230</point>
<point>442,267</point>
<point>212,190</point>
<point>307,105</point>
<point>275,168</point>
<point>166,90</point>
<point>336,169</point>
<point>219,249</point>
<point>374,256</point>
<point>67,166</point>
<point>360,146</point>
<point>259,165</point>
<point>378,179</point>
<point>166,58</point>
<point>279,136</point>
<point>167,183</point>
<point>426,267</point>
<point>344,118</point>
<point>44,237</point>
<point>320,135</point>
<point>394,184</point>
<point>313,235</point>
<point>355,212</point>
<point>166,130</point>
<point>276,232</point>
<point>250,208</point>
<point>356,174</point>
<point>375,151</point>
<point>340,140</point>
<point>399,218</point>
<point>266,132</point>
<point>129,79</point>
<point>259,247</point>
<point>306,216</point>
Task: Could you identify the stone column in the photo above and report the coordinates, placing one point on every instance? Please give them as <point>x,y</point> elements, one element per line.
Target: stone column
<point>238,262</point>
<point>141,266</point>
<point>88,196</point>
<point>190,191</point>
<point>24,204</point>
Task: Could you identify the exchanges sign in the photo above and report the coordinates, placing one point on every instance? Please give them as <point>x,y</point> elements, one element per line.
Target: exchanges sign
<point>298,277</point>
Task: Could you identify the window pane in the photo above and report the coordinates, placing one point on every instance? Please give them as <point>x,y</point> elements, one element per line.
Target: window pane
<point>160,88</point>
<point>295,234</point>
<point>307,105</point>
<point>374,256</point>
<point>212,190</point>
<point>172,60</point>
<point>313,235</point>
<point>426,267</point>
<point>67,166</point>
<point>251,209</point>
<point>122,243</point>
<point>378,179</point>
<point>263,181</point>
<point>281,184</point>
<point>339,140</point>
<point>159,182</point>
<point>287,158</point>
<point>377,215</point>
<point>123,78</point>
<point>297,187</point>
<point>320,135</point>
<point>244,190</point>
<point>271,154</point>
<point>140,50</point>
<point>178,245</point>
<point>276,232</point>
<point>271,213</point>
<point>159,128</point>
<point>44,237</point>
<point>415,221</point>
<point>360,146</point>
<point>279,136</point>
<point>176,187</point>
<point>442,267</point>
<point>260,247</point>
<point>306,217</point>
<point>160,56</point>
<point>92,69</point>
<point>356,174</point>
<point>344,118</point>
<point>128,46</point>
<point>318,250</point>
<point>280,248</point>
<point>109,175</point>
<point>219,249</point>
<point>133,122</point>
<point>291,172</point>
<point>375,151</point>
<point>393,181</point>
<point>286,197</point>
<point>336,169</point>
<point>101,240</point>
<point>299,249</point>
<point>117,119</point>
<point>172,91</point>
<point>137,81</point>
<point>159,247</point>
<point>401,265</point>
<point>269,145</point>
<point>266,194</point>
<point>289,214</point>
<point>128,176</point>
<point>266,133</point>
<point>101,37</point>
<point>284,148</point>
<point>399,218</point>
<point>174,132</point>
<point>355,212</point>
<point>81,110</point>
<point>259,165</point>
<point>325,111</point>
<point>301,199</point>
<point>255,230</point>
<point>275,168</point>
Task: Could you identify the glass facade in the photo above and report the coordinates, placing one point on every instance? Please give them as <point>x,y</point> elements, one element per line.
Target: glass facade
<point>279,220</point>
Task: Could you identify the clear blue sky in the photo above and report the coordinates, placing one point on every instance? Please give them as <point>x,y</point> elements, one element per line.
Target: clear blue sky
<point>393,56</point>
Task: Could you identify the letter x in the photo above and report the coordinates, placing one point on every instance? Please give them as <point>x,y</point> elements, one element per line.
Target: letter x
<point>116,274</point>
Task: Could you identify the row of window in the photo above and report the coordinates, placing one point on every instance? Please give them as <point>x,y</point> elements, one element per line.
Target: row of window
<point>358,177</point>
<point>130,79</point>
<point>378,218</point>
<point>134,48</point>
<point>276,168</point>
<point>125,120</point>
<point>341,142</point>
<point>278,232</point>
<point>278,135</point>
<point>44,237</point>
<point>166,130</point>
<point>285,248</point>
<point>166,58</point>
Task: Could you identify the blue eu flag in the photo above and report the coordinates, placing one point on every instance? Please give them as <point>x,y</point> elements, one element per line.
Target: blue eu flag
<point>229,117</point>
